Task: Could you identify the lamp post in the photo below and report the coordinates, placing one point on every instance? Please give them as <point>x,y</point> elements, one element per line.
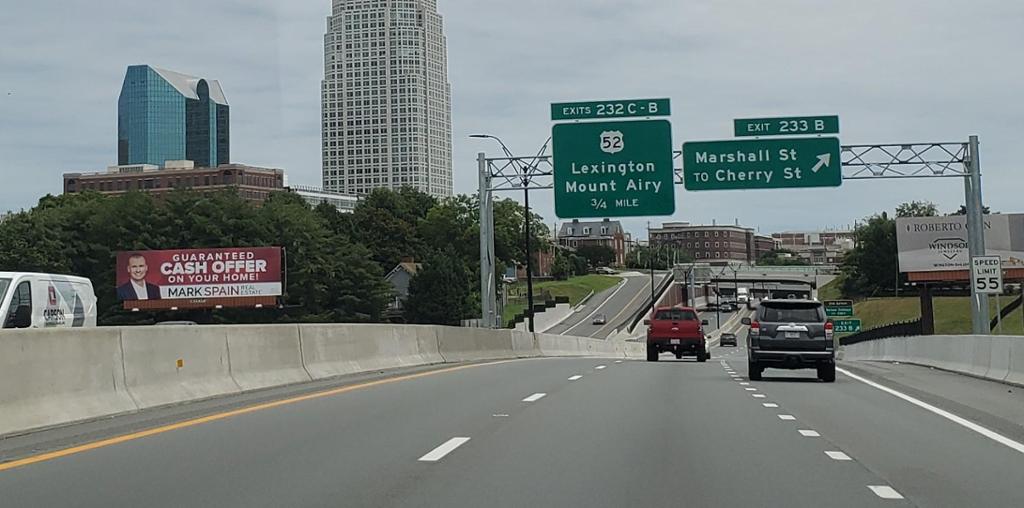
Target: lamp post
<point>525,180</point>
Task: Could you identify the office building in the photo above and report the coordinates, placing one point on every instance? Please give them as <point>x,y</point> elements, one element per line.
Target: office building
<point>314,196</point>
<point>714,243</point>
<point>606,233</point>
<point>252,183</point>
<point>167,116</point>
<point>386,101</point>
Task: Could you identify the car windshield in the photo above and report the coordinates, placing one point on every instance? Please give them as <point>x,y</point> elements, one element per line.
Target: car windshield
<point>4,284</point>
<point>791,312</point>
<point>676,315</point>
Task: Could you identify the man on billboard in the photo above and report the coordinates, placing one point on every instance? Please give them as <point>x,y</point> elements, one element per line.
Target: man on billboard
<point>138,288</point>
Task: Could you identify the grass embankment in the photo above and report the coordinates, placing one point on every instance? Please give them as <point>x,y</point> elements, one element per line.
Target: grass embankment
<point>952,313</point>
<point>575,288</point>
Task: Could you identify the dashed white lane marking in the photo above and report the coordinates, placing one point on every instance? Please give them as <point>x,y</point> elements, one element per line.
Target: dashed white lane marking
<point>499,415</point>
<point>744,383</point>
<point>809,433</point>
<point>618,361</point>
<point>770,404</point>
<point>995,436</point>
<point>535,397</point>
<point>599,367</point>
<point>838,456</point>
<point>885,492</point>
<point>751,389</point>
<point>438,453</point>
<point>758,395</point>
<point>574,378</point>
<point>787,417</point>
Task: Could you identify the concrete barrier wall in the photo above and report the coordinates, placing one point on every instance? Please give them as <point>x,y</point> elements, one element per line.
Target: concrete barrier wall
<point>999,358</point>
<point>335,350</point>
<point>265,355</point>
<point>473,344</point>
<point>53,377</point>
<point>50,377</point>
<point>171,364</point>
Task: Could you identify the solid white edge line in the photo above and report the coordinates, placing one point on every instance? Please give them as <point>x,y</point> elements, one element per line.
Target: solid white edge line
<point>447,447</point>
<point>885,492</point>
<point>574,378</point>
<point>993,435</point>
<point>838,456</point>
<point>809,433</point>
<point>535,397</point>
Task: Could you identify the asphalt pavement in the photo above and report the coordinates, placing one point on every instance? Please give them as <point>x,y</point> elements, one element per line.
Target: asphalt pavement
<point>616,304</point>
<point>563,432</point>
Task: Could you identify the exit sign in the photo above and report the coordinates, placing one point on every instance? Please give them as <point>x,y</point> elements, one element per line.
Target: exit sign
<point>787,126</point>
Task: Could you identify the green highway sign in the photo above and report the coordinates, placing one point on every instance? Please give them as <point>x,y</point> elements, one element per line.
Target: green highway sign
<point>610,109</point>
<point>613,169</point>
<point>846,325</point>
<point>834,308</point>
<point>787,126</point>
<point>762,164</point>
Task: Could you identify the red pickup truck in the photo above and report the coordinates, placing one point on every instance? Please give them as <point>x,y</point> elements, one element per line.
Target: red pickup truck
<point>677,330</point>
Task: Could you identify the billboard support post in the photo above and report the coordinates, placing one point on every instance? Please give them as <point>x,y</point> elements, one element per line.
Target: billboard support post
<point>975,235</point>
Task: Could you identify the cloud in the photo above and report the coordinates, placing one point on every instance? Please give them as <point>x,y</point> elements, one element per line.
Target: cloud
<point>909,71</point>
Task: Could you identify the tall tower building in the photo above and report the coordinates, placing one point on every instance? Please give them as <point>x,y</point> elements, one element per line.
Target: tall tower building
<point>386,100</point>
<point>164,115</point>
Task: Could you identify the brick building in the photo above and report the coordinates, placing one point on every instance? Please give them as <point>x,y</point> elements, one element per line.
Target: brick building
<point>606,232</point>
<point>252,183</point>
<point>714,243</point>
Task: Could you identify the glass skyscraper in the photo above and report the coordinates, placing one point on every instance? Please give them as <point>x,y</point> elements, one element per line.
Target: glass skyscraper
<point>386,98</point>
<point>164,115</point>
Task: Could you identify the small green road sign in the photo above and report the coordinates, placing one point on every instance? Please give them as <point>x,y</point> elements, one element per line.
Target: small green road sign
<point>846,325</point>
<point>835,308</point>
<point>787,126</point>
<point>762,164</point>
<point>610,109</point>
<point>613,169</point>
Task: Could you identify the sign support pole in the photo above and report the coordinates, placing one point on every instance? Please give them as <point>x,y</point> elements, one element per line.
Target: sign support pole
<point>487,278</point>
<point>976,236</point>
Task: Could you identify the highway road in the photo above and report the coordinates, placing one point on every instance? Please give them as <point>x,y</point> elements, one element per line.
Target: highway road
<point>616,304</point>
<point>552,432</point>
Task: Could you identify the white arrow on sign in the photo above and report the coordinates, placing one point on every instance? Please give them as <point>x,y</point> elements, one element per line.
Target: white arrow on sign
<point>823,160</point>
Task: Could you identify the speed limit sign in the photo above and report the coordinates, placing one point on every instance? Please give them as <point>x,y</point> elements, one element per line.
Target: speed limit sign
<point>987,274</point>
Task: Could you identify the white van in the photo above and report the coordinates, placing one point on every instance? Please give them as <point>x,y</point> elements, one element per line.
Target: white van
<point>43,300</point>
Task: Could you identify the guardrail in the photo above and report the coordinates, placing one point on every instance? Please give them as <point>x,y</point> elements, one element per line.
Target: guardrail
<point>52,377</point>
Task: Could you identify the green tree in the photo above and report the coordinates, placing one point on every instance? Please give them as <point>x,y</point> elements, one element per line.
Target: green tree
<point>562,268</point>
<point>386,222</point>
<point>917,209</point>
<point>509,244</point>
<point>872,266</point>
<point>597,255</point>
<point>440,292</point>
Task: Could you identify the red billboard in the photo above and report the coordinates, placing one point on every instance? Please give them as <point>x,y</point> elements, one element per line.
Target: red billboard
<point>190,278</point>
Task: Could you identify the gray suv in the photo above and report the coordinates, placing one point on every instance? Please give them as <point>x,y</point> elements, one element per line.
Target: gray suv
<point>791,334</point>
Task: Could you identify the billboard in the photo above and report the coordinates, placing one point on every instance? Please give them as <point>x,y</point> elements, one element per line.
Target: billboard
<point>936,244</point>
<point>192,278</point>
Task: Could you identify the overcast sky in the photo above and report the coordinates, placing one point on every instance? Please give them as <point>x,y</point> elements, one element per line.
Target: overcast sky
<point>894,71</point>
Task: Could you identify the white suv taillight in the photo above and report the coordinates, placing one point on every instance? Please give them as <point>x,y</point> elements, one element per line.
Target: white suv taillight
<point>829,327</point>
<point>755,329</point>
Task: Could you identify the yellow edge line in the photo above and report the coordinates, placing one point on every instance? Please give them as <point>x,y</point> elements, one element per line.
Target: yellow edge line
<point>43,457</point>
